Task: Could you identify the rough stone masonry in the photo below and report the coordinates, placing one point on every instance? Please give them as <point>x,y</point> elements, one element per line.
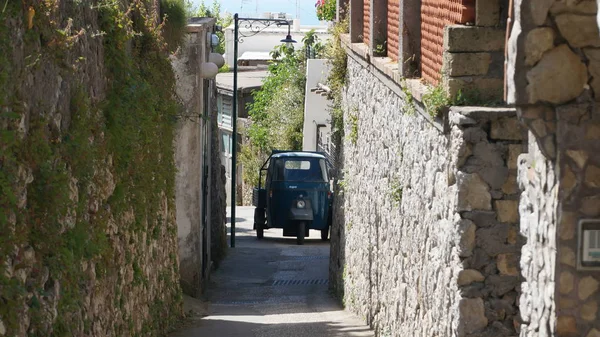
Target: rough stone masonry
<point>78,257</point>
<point>554,80</point>
<point>426,239</point>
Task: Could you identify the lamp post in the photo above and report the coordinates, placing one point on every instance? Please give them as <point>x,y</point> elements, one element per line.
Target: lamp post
<point>253,26</point>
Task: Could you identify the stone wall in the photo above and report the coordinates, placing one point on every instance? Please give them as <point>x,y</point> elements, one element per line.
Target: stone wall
<point>559,189</point>
<point>553,80</point>
<point>425,238</point>
<point>537,179</point>
<point>473,62</point>
<point>87,214</point>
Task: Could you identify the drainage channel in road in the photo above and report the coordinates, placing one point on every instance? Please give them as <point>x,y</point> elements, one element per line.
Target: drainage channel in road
<point>299,282</point>
<point>307,258</point>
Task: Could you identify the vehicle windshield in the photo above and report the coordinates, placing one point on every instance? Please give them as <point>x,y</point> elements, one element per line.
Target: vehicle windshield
<point>300,169</point>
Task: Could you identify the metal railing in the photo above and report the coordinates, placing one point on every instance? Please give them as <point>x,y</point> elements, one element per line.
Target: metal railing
<point>310,52</point>
<point>326,145</point>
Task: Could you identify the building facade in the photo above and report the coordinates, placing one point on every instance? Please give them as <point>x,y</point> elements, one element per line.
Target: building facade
<point>317,121</point>
<point>249,80</point>
<point>268,39</point>
<point>200,203</point>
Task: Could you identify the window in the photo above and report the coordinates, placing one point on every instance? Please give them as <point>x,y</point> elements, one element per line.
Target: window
<point>224,108</point>
<point>300,169</point>
<point>297,165</point>
<point>226,143</point>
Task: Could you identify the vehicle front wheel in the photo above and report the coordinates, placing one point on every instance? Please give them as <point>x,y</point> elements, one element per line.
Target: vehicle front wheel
<point>325,234</point>
<point>301,232</point>
<point>259,222</point>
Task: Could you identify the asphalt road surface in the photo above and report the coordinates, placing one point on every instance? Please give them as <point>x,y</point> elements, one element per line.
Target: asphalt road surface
<point>273,288</point>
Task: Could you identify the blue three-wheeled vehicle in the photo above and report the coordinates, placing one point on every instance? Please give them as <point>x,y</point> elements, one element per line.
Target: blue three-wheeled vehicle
<point>296,195</point>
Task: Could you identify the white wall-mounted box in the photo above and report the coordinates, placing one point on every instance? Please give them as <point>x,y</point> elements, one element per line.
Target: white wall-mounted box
<point>588,244</point>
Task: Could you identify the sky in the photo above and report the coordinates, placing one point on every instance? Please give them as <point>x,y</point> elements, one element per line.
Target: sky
<point>306,10</point>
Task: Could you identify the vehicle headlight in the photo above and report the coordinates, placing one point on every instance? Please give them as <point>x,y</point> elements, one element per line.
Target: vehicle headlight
<point>301,204</point>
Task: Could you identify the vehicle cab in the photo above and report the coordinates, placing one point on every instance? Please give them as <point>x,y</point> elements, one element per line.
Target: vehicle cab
<point>296,195</point>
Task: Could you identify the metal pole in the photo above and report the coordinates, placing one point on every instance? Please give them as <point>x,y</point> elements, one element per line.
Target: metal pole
<point>234,126</point>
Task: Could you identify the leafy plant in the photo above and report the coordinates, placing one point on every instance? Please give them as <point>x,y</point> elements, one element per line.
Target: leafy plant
<point>435,100</point>
<point>174,16</point>
<point>396,191</point>
<point>342,183</point>
<point>313,46</point>
<point>353,136</point>
<point>277,112</point>
<point>473,97</point>
<point>338,60</point>
<point>409,104</point>
<point>225,68</point>
<point>326,10</point>
<point>380,48</point>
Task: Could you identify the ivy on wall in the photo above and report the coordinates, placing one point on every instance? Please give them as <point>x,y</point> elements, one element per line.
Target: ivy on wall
<point>87,183</point>
<point>338,60</point>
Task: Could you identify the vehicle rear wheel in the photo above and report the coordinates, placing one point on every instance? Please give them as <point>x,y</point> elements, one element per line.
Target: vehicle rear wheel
<point>301,232</point>
<point>325,234</point>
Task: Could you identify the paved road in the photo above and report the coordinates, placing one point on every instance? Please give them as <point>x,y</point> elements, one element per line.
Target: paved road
<point>273,288</point>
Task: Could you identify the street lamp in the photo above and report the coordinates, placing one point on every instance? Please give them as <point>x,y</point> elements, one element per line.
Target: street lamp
<point>253,26</point>
<point>288,39</point>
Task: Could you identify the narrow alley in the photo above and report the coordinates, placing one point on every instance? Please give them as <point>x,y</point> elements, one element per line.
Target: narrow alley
<point>444,156</point>
<point>273,287</point>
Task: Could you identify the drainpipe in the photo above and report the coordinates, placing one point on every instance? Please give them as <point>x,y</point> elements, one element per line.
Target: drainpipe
<point>509,24</point>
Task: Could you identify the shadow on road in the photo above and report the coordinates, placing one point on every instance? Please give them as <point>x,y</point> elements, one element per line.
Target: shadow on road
<point>292,241</point>
<point>273,288</point>
<point>246,326</point>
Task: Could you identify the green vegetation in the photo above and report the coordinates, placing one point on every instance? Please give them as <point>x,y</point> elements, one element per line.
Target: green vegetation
<point>225,68</point>
<point>380,48</point>
<point>349,225</point>
<point>277,113</point>
<point>353,120</point>
<point>326,9</point>
<point>342,182</point>
<point>174,15</point>
<point>126,138</point>
<point>396,191</point>
<point>8,136</point>
<point>214,11</point>
<point>436,100</point>
<point>338,59</point>
<point>473,97</point>
<point>386,332</point>
<point>409,103</point>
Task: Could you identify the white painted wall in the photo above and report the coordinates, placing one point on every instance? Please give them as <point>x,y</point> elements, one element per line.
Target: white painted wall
<point>316,107</point>
<point>190,141</point>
